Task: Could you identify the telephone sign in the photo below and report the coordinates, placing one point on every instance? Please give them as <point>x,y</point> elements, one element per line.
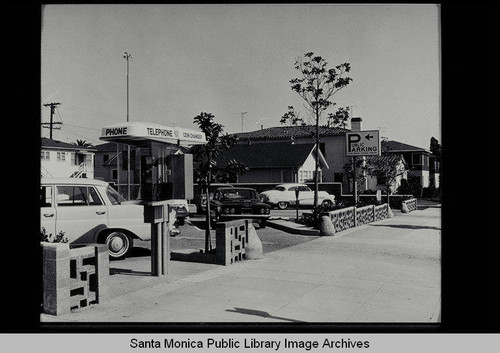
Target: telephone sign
<point>362,143</point>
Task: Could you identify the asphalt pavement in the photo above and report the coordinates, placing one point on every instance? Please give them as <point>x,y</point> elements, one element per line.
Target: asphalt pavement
<point>387,271</point>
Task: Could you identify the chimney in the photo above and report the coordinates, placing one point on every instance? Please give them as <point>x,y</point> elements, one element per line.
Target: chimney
<point>356,124</point>
<point>262,127</point>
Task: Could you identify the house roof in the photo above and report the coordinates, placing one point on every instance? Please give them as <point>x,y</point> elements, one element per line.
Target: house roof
<point>271,155</point>
<point>390,158</point>
<point>54,144</point>
<point>395,146</point>
<point>285,132</point>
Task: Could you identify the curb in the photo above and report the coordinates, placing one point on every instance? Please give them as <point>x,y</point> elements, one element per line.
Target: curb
<point>293,228</point>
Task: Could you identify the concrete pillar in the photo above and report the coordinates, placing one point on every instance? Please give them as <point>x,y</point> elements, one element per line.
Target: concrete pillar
<point>326,226</point>
<point>253,249</point>
<point>56,278</point>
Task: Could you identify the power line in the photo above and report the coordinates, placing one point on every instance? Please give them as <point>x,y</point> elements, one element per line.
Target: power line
<point>51,123</point>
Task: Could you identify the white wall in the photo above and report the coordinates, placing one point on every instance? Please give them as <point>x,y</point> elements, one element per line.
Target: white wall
<point>306,171</point>
<point>63,168</point>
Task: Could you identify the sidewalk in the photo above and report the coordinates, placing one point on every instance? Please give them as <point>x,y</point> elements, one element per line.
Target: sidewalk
<point>388,271</point>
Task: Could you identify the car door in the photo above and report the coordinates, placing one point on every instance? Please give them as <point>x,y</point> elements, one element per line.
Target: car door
<point>306,195</point>
<point>81,213</point>
<point>47,209</point>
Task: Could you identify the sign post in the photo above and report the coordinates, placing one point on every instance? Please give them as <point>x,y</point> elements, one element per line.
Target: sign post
<point>297,201</point>
<point>361,144</point>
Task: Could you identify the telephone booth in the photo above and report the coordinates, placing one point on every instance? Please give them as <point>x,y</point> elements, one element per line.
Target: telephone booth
<point>165,174</point>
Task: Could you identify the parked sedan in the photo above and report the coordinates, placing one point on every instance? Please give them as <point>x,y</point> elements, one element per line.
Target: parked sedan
<point>237,203</point>
<point>200,199</point>
<point>283,195</point>
<point>91,211</point>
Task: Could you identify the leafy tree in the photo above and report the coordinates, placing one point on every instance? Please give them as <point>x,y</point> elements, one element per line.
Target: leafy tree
<point>387,169</point>
<point>205,157</point>
<point>435,148</point>
<point>83,143</point>
<point>230,172</point>
<point>316,86</point>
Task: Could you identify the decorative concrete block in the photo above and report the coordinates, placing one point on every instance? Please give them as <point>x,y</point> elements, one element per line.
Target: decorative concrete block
<point>326,226</point>
<point>253,250</point>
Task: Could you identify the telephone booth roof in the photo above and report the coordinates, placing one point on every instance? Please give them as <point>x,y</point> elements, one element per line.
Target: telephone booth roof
<point>135,133</point>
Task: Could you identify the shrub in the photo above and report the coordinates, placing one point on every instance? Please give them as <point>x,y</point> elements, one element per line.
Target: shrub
<point>314,219</point>
<point>49,238</point>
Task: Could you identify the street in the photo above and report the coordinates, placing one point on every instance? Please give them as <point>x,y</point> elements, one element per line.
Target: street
<point>192,236</point>
<point>386,271</point>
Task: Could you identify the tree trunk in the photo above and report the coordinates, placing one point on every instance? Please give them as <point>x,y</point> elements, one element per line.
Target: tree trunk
<point>317,162</point>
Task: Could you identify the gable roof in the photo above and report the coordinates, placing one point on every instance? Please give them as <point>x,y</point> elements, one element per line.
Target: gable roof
<point>389,158</point>
<point>285,132</point>
<point>268,155</point>
<point>395,146</point>
<point>59,145</point>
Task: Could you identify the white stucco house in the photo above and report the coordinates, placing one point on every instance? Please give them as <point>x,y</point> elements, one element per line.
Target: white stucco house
<point>61,160</point>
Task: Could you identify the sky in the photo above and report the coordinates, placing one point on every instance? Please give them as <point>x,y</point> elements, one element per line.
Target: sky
<point>236,60</point>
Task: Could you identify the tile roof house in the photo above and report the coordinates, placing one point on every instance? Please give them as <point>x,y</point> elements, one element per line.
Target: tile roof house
<point>61,159</point>
<point>274,162</point>
<point>420,162</point>
<point>332,144</point>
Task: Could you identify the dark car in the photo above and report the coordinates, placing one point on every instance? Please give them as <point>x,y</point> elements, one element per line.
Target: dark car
<point>231,203</point>
<point>200,199</point>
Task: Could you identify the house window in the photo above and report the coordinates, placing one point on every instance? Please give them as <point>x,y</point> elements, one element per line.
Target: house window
<point>45,155</point>
<point>416,159</point>
<point>105,158</point>
<point>61,156</point>
<point>73,158</point>
<point>337,177</point>
<point>114,174</point>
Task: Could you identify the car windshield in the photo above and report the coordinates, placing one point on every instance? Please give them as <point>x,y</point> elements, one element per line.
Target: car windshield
<point>279,188</point>
<point>114,196</point>
<point>234,194</point>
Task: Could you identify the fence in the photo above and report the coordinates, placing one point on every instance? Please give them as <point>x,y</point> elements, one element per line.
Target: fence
<point>409,205</point>
<point>350,217</point>
<point>74,276</point>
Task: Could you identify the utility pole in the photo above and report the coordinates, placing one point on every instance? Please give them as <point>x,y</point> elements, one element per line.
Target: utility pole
<point>52,123</point>
<point>127,56</point>
<point>242,115</point>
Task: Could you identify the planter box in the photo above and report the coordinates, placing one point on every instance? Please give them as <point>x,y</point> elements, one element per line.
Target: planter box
<point>74,276</point>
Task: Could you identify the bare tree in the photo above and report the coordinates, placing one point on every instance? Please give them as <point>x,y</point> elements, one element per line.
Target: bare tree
<point>316,86</point>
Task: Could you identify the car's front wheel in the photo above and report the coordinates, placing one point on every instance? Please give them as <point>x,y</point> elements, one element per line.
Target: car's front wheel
<point>282,205</point>
<point>327,204</point>
<point>119,245</point>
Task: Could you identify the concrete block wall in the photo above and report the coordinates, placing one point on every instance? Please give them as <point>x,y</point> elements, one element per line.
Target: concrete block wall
<point>344,218</point>
<point>381,212</point>
<point>350,217</point>
<point>56,283</point>
<point>231,239</point>
<point>74,276</point>
<point>409,205</point>
<point>365,215</point>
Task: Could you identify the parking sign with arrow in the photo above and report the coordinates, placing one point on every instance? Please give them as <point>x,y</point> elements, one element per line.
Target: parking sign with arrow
<point>362,143</point>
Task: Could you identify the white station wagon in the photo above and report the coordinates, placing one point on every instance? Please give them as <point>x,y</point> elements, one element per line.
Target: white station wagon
<point>91,211</point>
<point>283,195</point>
